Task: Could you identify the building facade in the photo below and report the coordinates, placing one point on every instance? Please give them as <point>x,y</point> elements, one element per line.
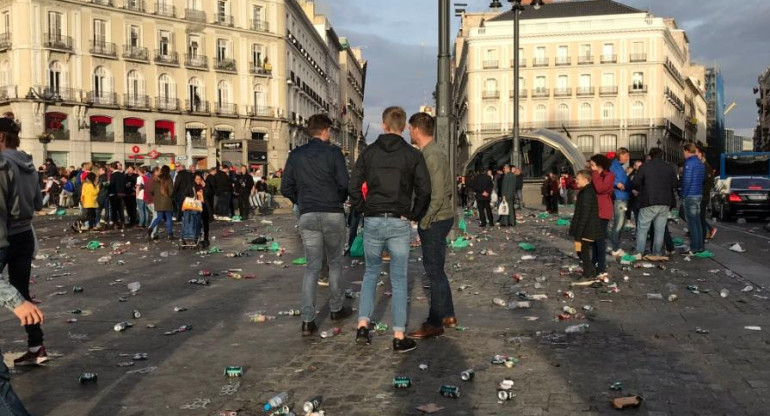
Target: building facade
<point>715,98</point>
<point>603,74</point>
<point>131,80</point>
<point>762,134</point>
<point>352,85</point>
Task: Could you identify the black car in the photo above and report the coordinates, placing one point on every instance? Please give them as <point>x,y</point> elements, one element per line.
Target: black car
<point>745,196</point>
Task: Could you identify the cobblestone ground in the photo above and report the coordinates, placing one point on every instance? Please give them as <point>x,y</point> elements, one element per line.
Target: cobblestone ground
<point>650,346</point>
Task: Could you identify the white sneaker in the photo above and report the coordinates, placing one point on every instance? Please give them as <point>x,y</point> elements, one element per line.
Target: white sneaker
<point>618,253</point>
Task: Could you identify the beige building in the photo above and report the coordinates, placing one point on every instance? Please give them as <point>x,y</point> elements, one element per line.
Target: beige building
<point>352,84</point>
<point>106,78</point>
<point>604,74</point>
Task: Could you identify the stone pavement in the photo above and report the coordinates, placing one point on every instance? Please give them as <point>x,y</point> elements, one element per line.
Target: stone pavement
<point>650,346</point>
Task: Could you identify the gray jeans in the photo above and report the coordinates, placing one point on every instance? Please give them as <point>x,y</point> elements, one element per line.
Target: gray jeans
<point>323,234</point>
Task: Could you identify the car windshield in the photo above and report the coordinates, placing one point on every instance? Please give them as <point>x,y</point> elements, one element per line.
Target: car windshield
<point>753,184</point>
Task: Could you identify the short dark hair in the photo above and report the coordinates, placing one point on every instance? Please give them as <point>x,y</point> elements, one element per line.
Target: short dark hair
<point>601,161</point>
<point>585,173</point>
<point>656,153</point>
<point>424,122</point>
<point>622,151</point>
<point>317,123</point>
<point>690,147</point>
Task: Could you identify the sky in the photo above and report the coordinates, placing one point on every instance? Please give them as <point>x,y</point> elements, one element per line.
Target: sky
<point>400,40</point>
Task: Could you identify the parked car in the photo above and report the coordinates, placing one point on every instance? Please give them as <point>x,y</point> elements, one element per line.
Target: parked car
<point>744,196</point>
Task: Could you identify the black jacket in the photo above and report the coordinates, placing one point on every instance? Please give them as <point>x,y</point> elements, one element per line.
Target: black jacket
<point>184,181</point>
<point>656,182</point>
<point>315,178</point>
<point>210,190</point>
<point>243,184</point>
<point>117,183</point>
<point>131,184</point>
<point>483,183</point>
<point>393,171</point>
<point>585,223</point>
<point>222,183</point>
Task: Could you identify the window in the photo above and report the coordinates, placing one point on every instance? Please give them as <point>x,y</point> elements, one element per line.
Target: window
<point>55,24</point>
<point>608,112</point>
<point>562,82</point>
<point>195,94</point>
<point>540,84</point>
<point>256,55</point>
<point>490,55</point>
<point>586,144</point>
<point>608,143</point>
<point>637,80</point>
<point>541,115</point>
<point>102,82</point>
<point>540,52</point>
<point>562,52</point>
<point>608,50</point>
<point>100,31</point>
<point>164,42</point>
<point>134,37</point>
<point>259,97</point>
<point>637,143</point>
<point>6,22</point>
<point>256,14</point>
<point>135,85</point>
<point>193,46</point>
<point>490,84</point>
<point>221,49</point>
<point>221,9</point>
<point>223,93</point>
<point>586,112</point>
<point>637,48</point>
<point>637,111</point>
<point>585,81</point>
<point>490,115</point>
<point>585,50</point>
<point>55,78</point>
<point>562,113</point>
<point>608,80</point>
<point>166,89</point>
<point>5,75</point>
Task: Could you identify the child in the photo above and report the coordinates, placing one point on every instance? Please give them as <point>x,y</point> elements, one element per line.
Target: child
<point>88,197</point>
<point>586,227</point>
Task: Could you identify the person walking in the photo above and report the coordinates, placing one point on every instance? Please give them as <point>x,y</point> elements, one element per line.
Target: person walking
<point>693,177</point>
<point>209,190</point>
<point>434,227</point>
<point>103,199</point>
<point>656,183</point>
<point>709,231</point>
<point>602,180</point>
<point>622,194</point>
<point>585,226</point>
<point>183,182</point>
<point>245,185</point>
<point>223,192</point>
<point>508,195</point>
<point>19,236</point>
<point>395,173</point>
<point>483,187</point>
<point>316,179</point>
<point>162,193</point>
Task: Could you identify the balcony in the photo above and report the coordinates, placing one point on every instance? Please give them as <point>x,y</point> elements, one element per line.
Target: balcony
<point>259,25</point>
<point>136,53</point>
<point>522,62</point>
<point>563,60</point>
<point>585,91</point>
<point>167,104</point>
<point>491,127</point>
<point>638,57</point>
<point>195,15</point>
<point>60,134</point>
<point>163,9</point>
<point>490,94</point>
<point>102,2</point>
<point>225,65</point>
<point>222,19</point>
<point>101,98</point>
<point>165,140</point>
<point>135,5</point>
<point>259,70</point>
<point>637,89</point>
<point>522,93</point>
<point>585,60</point>
<point>57,41</point>
<point>540,62</point>
<point>226,109</point>
<point>102,136</point>
<point>134,138</point>
<point>609,59</point>
<point>541,93</point>
<point>261,111</point>
<point>491,64</point>
<point>610,90</point>
<point>196,61</point>
<point>562,92</point>
<point>136,101</point>
<point>5,41</point>
<point>8,92</point>
<point>56,94</point>
<point>166,58</point>
<point>198,107</point>
<point>103,48</point>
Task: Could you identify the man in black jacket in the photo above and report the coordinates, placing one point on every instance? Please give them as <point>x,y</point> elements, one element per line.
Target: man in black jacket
<point>656,182</point>
<point>393,172</point>
<point>223,192</point>
<point>130,196</point>
<point>184,181</point>
<point>316,180</point>
<point>117,193</point>
<point>244,184</point>
<point>483,187</point>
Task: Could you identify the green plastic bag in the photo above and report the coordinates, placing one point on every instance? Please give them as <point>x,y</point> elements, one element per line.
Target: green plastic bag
<point>462,225</point>
<point>258,247</point>
<point>61,212</point>
<point>527,246</point>
<point>214,250</point>
<point>459,243</point>
<point>236,218</point>
<point>93,245</point>
<point>274,246</point>
<point>357,248</point>
<point>563,222</point>
<point>300,261</point>
<point>628,258</point>
<point>678,241</point>
<point>705,254</point>
<point>544,215</point>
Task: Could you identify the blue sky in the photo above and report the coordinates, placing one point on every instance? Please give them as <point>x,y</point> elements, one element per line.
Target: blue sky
<point>400,41</point>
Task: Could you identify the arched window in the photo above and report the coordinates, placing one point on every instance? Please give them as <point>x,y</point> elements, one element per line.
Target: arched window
<point>490,84</point>
<point>586,144</point>
<point>637,113</point>
<point>223,93</point>
<point>608,113</point>
<point>166,88</point>
<point>135,83</point>
<point>195,97</point>
<point>541,115</point>
<point>608,143</point>
<point>56,78</point>
<point>102,82</point>
<point>259,98</point>
<point>491,122</point>
<point>562,113</point>
<point>586,113</point>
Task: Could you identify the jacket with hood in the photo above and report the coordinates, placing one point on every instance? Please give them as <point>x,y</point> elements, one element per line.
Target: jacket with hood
<point>29,198</point>
<point>393,171</point>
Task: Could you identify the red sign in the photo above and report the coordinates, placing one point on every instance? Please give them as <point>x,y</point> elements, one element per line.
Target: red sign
<point>137,157</point>
<point>154,154</point>
<point>135,149</point>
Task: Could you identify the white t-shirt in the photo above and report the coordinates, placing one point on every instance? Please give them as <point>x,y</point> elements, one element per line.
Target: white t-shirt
<point>140,184</point>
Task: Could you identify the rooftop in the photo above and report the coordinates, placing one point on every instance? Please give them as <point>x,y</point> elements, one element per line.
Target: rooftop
<point>570,9</point>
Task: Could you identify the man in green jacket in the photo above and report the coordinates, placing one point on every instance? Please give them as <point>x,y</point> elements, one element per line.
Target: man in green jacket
<point>434,227</point>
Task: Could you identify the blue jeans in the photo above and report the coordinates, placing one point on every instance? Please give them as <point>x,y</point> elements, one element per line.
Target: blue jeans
<point>144,213</point>
<point>10,405</point>
<point>617,223</point>
<point>433,259</point>
<point>323,236</point>
<point>393,234</point>
<point>657,216</point>
<point>164,216</point>
<point>692,215</point>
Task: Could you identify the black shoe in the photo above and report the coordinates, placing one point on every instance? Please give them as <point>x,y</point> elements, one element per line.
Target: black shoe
<point>205,244</point>
<point>404,345</point>
<point>308,328</point>
<point>343,313</point>
<point>362,336</point>
<point>171,238</point>
<point>149,234</point>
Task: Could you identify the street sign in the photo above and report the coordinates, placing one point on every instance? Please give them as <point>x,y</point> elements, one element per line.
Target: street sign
<point>154,154</point>
<point>135,149</point>
<point>181,158</point>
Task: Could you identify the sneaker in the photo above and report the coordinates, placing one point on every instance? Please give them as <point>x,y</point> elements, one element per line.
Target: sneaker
<point>362,336</point>
<point>618,253</point>
<point>343,313</point>
<point>404,345</point>
<point>32,358</point>
<point>323,281</point>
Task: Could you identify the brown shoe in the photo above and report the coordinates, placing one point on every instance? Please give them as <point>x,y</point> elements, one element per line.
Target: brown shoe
<point>427,331</point>
<point>450,322</point>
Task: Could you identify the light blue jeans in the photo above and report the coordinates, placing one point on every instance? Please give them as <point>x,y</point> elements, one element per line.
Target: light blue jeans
<point>694,225</point>
<point>144,213</point>
<point>393,234</point>
<point>657,216</point>
<point>323,237</point>
<point>617,223</point>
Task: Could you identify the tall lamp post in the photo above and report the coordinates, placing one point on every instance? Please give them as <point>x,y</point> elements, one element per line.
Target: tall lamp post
<point>517,8</point>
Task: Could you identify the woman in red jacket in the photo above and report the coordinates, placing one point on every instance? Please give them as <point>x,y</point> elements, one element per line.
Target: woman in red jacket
<point>602,181</point>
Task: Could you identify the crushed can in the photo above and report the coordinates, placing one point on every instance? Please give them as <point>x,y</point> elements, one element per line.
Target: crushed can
<point>451,392</point>
<point>122,326</point>
<point>312,405</point>
<point>402,382</point>
<point>76,312</point>
<point>179,309</point>
<point>234,371</point>
<point>77,289</point>
<point>330,333</point>
<point>136,314</point>
<point>88,378</point>
<point>467,375</point>
<point>505,395</point>
<point>204,273</point>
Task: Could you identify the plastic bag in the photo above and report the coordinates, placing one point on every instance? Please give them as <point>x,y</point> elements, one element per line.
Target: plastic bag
<point>563,222</point>
<point>705,254</point>
<point>462,225</point>
<point>502,210</point>
<point>543,215</point>
<point>527,246</point>
<point>274,246</point>
<point>192,204</point>
<point>300,261</point>
<point>93,245</point>
<point>357,248</point>
<point>459,243</point>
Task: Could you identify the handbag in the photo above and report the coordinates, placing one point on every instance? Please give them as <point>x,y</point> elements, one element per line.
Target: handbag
<point>192,204</point>
<point>502,210</point>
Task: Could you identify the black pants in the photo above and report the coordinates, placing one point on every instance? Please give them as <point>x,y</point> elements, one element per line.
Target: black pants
<point>205,218</point>
<point>485,212</point>
<point>354,220</point>
<point>589,270</point>
<point>433,259</point>
<point>244,206</point>
<point>552,204</point>
<point>131,209</point>
<point>117,205</point>
<point>177,200</point>
<point>20,249</point>
<point>90,214</point>
<point>208,201</point>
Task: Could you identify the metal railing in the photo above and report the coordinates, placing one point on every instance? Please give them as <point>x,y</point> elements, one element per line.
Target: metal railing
<point>585,91</point>
<point>522,62</point>
<point>103,48</point>
<point>260,25</point>
<point>637,89</point>
<point>57,41</point>
<point>60,134</point>
<point>136,53</point>
<point>195,15</point>
<point>260,111</point>
<point>608,90</point>
<point>48,93</point>
<point>102,137</point>
<point>540,61</point>
<point>165,140</point>
<point>163,9</point>
<point>102,2</point>
<point>562,92</point>
<point>166,104</point>
<point>5,41</point>
<point>198,107</point>
<point>99,98</point>
<point>134,138</point>
<point>223,20</point>
<point>490,94</point>
<point>169,58</point>
<point>258,69</point>
<point>491,64</point>
<point>199,143</point>
<point>638,57</point>
<point>196,61</point>
<point>522,93</point>
<point>563,60</point>
<point>609,59</point>
<point>225,65</point>
<point>585,60</point>
<point>135,5</point>
<point>8,92</point>
<point>541,93</point>
<point>226,109</point>
<point>136,101</point>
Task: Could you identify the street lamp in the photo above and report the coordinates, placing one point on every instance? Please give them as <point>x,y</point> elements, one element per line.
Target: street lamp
<point>516,8</point>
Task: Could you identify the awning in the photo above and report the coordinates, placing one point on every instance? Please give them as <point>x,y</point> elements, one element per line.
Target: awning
<point>165,125</point>
<point>133,122</point>
<point>195,126</point>
<point>101,120</point>
<point>224,127</point>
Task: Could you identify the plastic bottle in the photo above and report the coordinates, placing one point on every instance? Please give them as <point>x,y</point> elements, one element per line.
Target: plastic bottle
<point>312,405</point>
<point>500,302</point>
<point>654,296</point>
<point>519,305</point>
<point>276,401</point>
<point>577,329</point>
<point>724,293</point>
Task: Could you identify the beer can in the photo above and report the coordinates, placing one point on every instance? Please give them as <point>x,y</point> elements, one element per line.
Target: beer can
<point>77,289</point>
<point>499,359</point>
<point>88,378</point>
<point>402,382</point>
<point>505,395</point>
<point>122,326</point>
<point>234,371</point>
<point>452,392</point>
<point>136,314</point>
<point>467,375</point>
<point>312,405</point>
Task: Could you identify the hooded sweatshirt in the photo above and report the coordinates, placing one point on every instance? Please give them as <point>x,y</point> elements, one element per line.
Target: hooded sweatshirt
<point>29,199</point>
